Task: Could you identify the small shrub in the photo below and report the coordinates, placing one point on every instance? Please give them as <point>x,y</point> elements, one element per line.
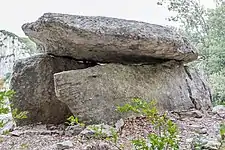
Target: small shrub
<point>6,132</point>
<point>2,123</point>
<point>1,139</point>
<point>165,135</point>
<point>113,139</point>
<point>4,109</point>
<point>24,146</point>
<point>19,115</point>
<point>222,134</point>
<point>140,144</point>
<point>222,131</point>
<point>74,121</point>
<point>98,132</point>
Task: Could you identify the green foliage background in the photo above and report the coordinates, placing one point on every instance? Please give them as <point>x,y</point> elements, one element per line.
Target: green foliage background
<point>205,28</point>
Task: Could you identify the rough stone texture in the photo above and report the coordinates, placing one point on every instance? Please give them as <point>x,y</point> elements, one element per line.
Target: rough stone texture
<point>105,39</point>
<point>73,130</point>
<point>100,145</point>
<point>32,80</point>
<point>219,110</point>
<point>92,94</point>
<point>64,145</point>
<point>199,91</point>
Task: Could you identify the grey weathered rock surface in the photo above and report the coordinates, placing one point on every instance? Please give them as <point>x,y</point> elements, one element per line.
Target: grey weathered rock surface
<point>32,80</point>
<point>105,39</point>
<point>100,145</point>
<point>73,130</point>
<point>64,145</point>
<point>92,94</point>
<point>199,90</point>
<point>219,110</point>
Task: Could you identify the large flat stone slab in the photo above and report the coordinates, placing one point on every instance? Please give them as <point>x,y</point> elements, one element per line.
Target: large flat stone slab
<point>92,94</point>
<point>105,39</point>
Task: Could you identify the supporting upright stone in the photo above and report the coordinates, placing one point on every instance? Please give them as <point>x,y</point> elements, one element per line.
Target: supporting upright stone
<point>32,80</point>
<point>93,94</point>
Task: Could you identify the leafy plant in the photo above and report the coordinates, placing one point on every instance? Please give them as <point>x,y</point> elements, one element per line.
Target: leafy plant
<point>24,146</point>
<point>114,137</point>
<point>165,135</point>
<point>100,134</point>
<point>19,115</point>
<point>1,139</point>
<point>222,131</point>
<point>222,134</point>
<point>2,123</point>
<point>4,109</point>
<point>140,144</point>
<point>74,121</point>
<point>6,132</point>
<point>98,131</point>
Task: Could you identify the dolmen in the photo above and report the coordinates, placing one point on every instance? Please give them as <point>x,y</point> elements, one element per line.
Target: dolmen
<point>90,65</point>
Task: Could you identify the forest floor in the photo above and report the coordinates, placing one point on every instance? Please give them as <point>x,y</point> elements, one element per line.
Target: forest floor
<point>194,127</point>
